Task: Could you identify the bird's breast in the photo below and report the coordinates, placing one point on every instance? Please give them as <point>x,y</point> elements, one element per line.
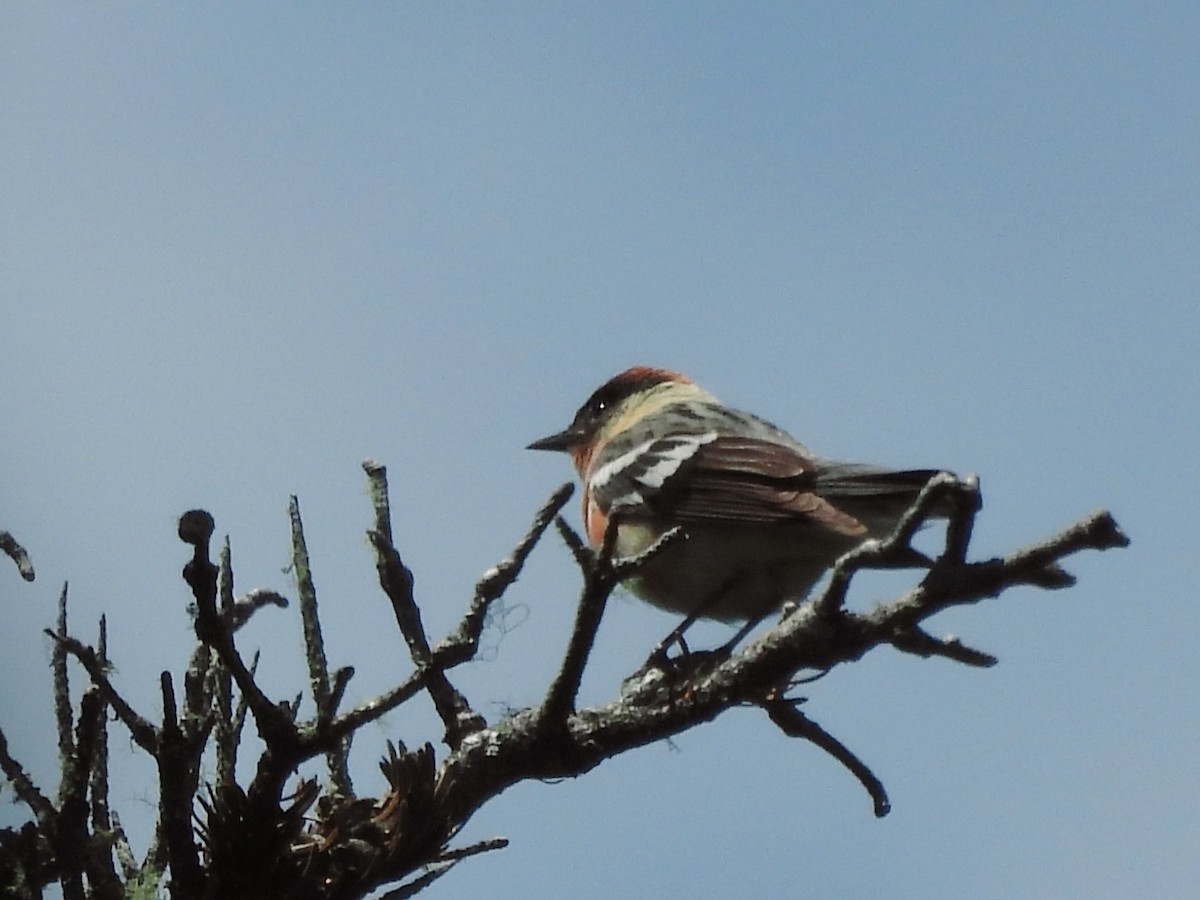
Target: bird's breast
<point>731,573</point>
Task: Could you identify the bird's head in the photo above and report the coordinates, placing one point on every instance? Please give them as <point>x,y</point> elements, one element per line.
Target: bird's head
<point>614,405</point>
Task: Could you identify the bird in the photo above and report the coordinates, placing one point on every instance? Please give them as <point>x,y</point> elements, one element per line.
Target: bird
<point>761,517</point>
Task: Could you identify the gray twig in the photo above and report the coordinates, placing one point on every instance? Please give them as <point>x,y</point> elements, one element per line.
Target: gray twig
<point>785,713</point>
<point>62,690</point>
<point>397,582</point>
<point>9,545</point>
<point>464,643</point>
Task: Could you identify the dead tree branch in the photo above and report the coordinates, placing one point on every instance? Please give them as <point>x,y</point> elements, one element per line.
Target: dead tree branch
<point>12,549</point>
<point>264,840</point>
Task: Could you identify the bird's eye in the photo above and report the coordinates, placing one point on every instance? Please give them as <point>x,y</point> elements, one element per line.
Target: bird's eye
<point>599,404</point>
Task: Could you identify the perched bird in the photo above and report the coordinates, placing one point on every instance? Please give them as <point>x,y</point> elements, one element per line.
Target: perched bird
<point>763,517</point>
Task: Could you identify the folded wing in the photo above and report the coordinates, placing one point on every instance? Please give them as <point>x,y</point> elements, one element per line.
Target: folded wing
<point>714,478</point>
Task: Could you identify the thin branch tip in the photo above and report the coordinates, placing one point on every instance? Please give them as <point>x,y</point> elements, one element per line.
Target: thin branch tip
<point>570,537</point>
<point>792,722</point>
<point>919,642</point>
<point>18,554</point>
<point>624,567</point>
<point>1105,531</point>
<point>1053,578</point>
<point>561,495</point>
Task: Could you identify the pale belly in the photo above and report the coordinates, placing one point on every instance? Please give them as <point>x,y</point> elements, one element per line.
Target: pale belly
<point>731,573</point>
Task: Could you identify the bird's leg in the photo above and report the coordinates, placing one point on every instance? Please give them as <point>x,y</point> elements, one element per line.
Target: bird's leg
<point>689,663</point>
<point>726,649</point>
<point>658,657</point>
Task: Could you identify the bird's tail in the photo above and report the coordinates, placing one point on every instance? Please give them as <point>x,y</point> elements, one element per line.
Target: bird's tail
<point>876,496</point>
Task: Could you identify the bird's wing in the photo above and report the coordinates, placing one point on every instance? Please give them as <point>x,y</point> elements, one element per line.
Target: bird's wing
<point>876,496</point>
<point>711,477</point>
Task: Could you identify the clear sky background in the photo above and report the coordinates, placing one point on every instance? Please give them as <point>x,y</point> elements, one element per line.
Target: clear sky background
<point>244,247</point>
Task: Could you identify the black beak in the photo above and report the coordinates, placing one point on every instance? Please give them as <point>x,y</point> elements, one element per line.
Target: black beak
<point>562,441</point>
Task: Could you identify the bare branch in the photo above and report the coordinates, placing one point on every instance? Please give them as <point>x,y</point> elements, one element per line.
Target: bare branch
<point>197,682</point>
<point>175,800</point>
<point>464,643</point>
<point>341,680</point>
<point>921,643</point>
<point>123,849</point>
<point>819,635</point>
<point>792,722</point>
<point>239,715</point>
<point>276,727</point>
<point>350,846</point>
<point>574,542</point>
<point>62,691</point>
<point>140,729</point>
<point>102,818</point>
<point>381,705</point>
<point>944,494</point>
<point>628,566</point>
<point>490,844</point>
<point>337,758</point>
<point>397,582</point>
<point>314,642</point>
<point>951,584</point>
<point>76,847</point>
<point>9,545</point>
<point>222,688</point>
<point>26,791</point>
<point>966,504</point>
<point>380,501</point>
<point>601,573</point>
<point>598,583</point>
<point>444,864</point>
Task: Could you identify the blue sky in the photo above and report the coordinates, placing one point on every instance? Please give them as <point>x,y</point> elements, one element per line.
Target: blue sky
<point>244,248</point>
